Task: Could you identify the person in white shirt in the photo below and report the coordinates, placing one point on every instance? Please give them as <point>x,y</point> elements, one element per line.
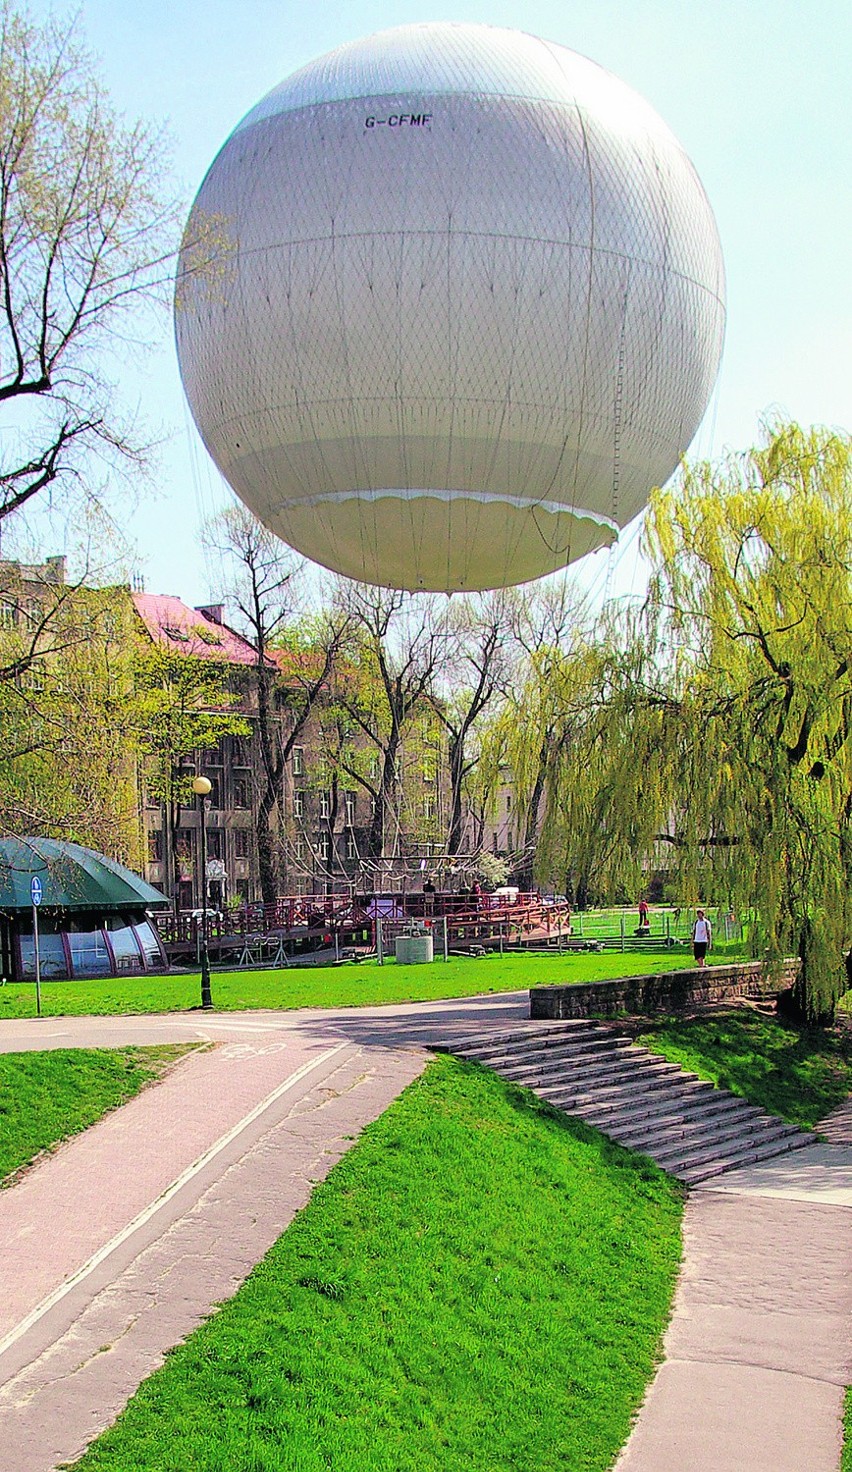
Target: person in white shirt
<point>701,937</point>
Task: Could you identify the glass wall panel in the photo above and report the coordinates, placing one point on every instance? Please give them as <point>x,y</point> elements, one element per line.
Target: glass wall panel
<point>89,954</point>
<point>51,954</point>
<point>150,944</point>
<point>125,948</point>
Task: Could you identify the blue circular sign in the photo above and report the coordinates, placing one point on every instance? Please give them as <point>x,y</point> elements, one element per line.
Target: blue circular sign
<point>35,889</point>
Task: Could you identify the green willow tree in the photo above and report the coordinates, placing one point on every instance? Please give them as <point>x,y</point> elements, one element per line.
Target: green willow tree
<point>711,735</point>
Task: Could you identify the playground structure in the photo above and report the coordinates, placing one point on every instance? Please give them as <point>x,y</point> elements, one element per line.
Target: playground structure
<point>304,929</point>
<point>300,927</point>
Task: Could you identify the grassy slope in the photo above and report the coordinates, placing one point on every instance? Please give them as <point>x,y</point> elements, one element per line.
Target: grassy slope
<point>798,1073</point>
<point>480,1284</point>
<point>45,1097</point>
<point>367,984</point>
<point>846,1462</point>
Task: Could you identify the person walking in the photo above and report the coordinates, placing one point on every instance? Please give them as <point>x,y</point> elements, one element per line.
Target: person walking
<point>701,937</point>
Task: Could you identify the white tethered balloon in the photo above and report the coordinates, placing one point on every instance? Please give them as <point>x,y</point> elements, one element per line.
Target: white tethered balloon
<point>465,308</point>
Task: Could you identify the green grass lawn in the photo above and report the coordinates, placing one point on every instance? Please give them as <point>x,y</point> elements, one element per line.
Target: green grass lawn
<point>480,1284</point>
<point>846,1462</point>
<point>800,1074</point>
<point>364,985</point>
<point>45,1097</point>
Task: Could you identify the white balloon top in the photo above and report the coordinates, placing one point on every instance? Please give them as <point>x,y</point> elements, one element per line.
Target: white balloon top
<point>449,58</point>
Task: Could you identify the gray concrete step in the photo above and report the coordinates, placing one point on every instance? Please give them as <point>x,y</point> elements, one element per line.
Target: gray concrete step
<point>665,1113</point>
<point>547,1034</point>
<point>574,1052</point>
<point>582,1039</point>
<point>663,1125</point>
<point>619,1092</point>
<point>684,1152</point>
<point>583,1069</point>
<point>688,1126</point>
<point>692,1175</point>
<point>640,1106</point>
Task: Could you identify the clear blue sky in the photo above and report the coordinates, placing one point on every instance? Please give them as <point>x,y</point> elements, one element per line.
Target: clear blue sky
<point>758,93</point>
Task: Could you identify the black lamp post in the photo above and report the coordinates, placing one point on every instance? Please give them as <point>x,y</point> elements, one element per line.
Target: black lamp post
<point>202,787</point>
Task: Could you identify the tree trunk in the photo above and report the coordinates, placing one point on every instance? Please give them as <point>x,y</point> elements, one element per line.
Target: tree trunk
<point>456,833</point>
<point>530,840</point>
<point>267,867</point>
<point>384,800</point>
<point>169,857</point>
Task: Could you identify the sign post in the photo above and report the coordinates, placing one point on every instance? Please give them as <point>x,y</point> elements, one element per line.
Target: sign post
<point>35,896</point>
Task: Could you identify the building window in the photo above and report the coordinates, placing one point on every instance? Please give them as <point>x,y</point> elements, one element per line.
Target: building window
<point>215,776</point>
<point>242,839</point>
<point>241,789</point>
<point>298,804</point>
<point>298,849</point>
<point>508,802</point>
<point>32,678</point>
<point>325,805</point>
<point>428,808</point>
<point>215,843</point>
<point>298,760</point>
<point>240,751</point>
<point>8,614</point>
<point>324,846</point>
<point>351,845</point>
<point>350,808</point>
<point>373,766</point>
<point>155,846</point>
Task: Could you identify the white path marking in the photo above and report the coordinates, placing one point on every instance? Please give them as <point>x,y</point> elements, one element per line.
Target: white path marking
<point>151,1210</point>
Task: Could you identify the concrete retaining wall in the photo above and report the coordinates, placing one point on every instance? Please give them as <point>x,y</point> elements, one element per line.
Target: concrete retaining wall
<point>670,991</point>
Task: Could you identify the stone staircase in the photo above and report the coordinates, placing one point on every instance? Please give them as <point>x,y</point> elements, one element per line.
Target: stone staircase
<point>689,1127</point>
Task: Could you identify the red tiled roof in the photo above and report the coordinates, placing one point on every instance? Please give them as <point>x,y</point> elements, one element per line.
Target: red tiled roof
<point>187,630</point>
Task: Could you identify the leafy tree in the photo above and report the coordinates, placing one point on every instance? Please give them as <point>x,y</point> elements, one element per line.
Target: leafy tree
<point>472,674</point>
<point>67,769</point>
<point>492,870</point>
<point>548,643</point>
<point>261,588</point>
<point>182,704</point>
<point>398,646</point>
<point>715,727</point>
<point>294,659</point>
<point>85,239</point>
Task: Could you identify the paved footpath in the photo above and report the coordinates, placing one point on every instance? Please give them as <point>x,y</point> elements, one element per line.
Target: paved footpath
<point>117,1246</point>
<point>757,1353</point>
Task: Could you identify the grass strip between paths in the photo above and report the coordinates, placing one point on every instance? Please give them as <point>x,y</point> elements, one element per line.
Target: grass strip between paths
<point>480,1284</point>
<point>364,985</point>
<point>46,1097</point>
<point>800,1074</point>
